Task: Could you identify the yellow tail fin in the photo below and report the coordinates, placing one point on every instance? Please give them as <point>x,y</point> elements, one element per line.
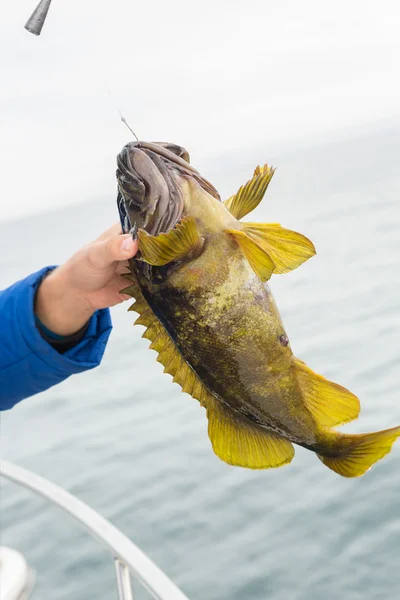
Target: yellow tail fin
<point>359,452</point>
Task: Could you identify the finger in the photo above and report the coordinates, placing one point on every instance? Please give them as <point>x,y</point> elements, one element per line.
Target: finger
<point>125,297</point>
<point>102,254</point>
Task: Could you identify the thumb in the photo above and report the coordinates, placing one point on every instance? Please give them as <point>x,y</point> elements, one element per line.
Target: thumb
<point>103,254</point>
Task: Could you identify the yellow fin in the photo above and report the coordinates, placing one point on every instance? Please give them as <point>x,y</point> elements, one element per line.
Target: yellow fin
<point>129,291</point>
<point>260,261</point>
<point>363,451</point>
<point>132,287</point>
<point>251,193</point>
<point>182,241</point>
<point>241,443</point>
<point>145,318</point>
<point>287,249</point>
<point>329,403</point>
<point>128,275</point>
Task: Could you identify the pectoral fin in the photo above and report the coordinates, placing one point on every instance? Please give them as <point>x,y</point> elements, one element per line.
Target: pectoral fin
<point>251,193</point>
<point>329,403</point>
<point>184,241</point>
<point>287,249</point>
<point>241,443</point>
<point>259,259</point>
<point>270,248</point>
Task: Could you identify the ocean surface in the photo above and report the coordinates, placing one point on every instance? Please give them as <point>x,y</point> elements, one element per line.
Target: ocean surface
<point>128,442</point>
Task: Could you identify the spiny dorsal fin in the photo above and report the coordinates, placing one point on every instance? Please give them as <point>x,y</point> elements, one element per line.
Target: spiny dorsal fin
<point>260,261</point>
<point>329,403</point>
<point>129,291</point>
<point>182,241</point>
<point>287,249</point>
<point>251,193</point>
<point>128,275</point>
<point>133,286</point>
<point>238,442</point>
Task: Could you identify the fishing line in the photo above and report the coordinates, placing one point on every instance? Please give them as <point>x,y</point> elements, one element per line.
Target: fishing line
<point>34,25</point>
<point>121,115</point>
<point>127,124</point>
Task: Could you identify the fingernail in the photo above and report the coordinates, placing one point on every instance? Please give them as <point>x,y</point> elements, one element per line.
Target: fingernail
<point>127,245</point>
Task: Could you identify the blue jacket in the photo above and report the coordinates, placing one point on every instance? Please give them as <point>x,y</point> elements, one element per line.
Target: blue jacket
<point>28,364</point>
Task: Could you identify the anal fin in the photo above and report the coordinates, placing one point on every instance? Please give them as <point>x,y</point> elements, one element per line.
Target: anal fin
<point>239,442</point>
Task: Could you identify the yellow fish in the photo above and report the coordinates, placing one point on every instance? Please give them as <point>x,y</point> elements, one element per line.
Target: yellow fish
<point>199,281</point>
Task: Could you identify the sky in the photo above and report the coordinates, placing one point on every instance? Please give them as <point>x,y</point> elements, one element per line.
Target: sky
<point>214,76</point>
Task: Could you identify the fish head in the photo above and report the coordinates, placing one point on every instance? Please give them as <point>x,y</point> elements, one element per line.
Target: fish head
<point>150,179</point>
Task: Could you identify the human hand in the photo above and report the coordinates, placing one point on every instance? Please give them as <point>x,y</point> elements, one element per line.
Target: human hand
<point>91,279</point>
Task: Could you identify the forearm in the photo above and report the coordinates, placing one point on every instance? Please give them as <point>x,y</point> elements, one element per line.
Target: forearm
<point>59,307</point>
<point>71,300</point>
<point>28,363</point>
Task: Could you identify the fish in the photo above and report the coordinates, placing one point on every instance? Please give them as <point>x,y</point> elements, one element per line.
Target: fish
<point>200,285</point>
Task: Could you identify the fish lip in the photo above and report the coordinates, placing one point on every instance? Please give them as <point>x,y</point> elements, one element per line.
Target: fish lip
<point>149,190</point>
<point>182,165</point>
<point>161,148</point>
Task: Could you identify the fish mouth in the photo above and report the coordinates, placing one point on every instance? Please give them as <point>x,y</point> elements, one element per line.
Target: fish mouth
<point>149,176</point>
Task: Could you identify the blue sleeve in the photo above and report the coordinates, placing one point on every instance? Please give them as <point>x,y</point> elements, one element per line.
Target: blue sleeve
<point>28,364</point>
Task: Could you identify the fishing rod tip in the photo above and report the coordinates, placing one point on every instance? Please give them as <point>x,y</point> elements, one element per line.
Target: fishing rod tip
<point>37,33</point>
<point>36,21</point>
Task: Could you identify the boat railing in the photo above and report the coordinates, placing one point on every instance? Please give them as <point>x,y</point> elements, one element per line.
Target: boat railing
<point>128,559</point>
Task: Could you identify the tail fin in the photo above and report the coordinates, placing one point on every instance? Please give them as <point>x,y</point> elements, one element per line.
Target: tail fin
<point>360,452</point>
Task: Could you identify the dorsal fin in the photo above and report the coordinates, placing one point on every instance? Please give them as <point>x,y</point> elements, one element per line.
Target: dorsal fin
<point>249,195</point>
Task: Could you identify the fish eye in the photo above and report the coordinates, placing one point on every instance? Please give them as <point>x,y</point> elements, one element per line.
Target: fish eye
<point>284,340</point>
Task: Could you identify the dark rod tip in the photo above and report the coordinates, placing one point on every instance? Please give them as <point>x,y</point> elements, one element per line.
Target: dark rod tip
<point>36,21</point>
